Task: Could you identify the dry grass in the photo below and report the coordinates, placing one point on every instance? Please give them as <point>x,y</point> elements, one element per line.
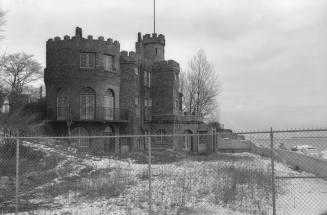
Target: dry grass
<point>103,183</point>
<point>237,182</point>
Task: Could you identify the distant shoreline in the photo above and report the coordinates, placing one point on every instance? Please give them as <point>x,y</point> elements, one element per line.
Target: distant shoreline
<point>309,137</point>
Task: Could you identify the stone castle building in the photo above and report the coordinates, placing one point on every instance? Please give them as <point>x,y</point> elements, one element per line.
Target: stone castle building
<point>96,89</point>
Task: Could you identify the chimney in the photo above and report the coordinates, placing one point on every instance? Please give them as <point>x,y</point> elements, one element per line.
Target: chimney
<point>139,37</point>
<point>78,32</point>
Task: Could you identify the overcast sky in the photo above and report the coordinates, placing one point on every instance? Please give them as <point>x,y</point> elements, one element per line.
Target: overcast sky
<point>271,55</point>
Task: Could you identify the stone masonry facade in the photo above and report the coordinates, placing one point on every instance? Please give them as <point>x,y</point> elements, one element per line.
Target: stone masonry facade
<point>94,88</point>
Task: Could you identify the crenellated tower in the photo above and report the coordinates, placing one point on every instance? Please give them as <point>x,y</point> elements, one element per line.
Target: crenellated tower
<point>165,94</point>
<point>151,48</point>
<point>130,91</point>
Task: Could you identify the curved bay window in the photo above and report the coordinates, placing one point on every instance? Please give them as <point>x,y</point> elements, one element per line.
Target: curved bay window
<point>109,105</point>
<point>87,103</point>
<point>62,106</point>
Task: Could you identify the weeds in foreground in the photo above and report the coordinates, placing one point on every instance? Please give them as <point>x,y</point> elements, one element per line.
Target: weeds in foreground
<point>108,184</point>
<point>226,184</point>
<point>229,181</point>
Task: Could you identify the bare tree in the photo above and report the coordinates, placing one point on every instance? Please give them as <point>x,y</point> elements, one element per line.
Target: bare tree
<point>18,70</point>
<point>2,22</point>
<point>200,86</point>
<point>19,120</point>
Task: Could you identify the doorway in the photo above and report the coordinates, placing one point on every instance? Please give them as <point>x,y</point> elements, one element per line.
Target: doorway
<point>109,142</point>
<point>80,142</point>
<point>188,140</point>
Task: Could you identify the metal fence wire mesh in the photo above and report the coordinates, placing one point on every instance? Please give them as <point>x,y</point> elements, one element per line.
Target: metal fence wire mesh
<point>300,171</point>
<point>150,174</point>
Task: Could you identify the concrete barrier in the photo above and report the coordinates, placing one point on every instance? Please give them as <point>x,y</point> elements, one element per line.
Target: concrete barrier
<point>296,160</point>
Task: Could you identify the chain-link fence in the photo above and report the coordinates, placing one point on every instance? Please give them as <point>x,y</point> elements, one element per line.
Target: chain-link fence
<point>219,173</point>
<point>300,168</point>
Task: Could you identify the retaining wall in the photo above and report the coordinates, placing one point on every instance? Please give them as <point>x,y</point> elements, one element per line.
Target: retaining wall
<point>296,160</point>
<point>234,145</point>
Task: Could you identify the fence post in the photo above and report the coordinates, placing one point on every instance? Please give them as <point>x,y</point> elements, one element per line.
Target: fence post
<point>273,170</point>
<point>150,174</point>
<point>17,174</point>
<point>198,141</point>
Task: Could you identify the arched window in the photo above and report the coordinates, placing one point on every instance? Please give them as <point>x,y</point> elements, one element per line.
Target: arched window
<point>87,103</point>
<point>62,105</point>
<point>108,131</point>
<point>109,105</point>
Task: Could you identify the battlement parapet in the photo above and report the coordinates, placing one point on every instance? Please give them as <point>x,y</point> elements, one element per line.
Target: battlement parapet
<point>128,56</point>
<point>89,38</point>
<point>170,64</point>
<point>123,53</point>
<point>154,38</point>
<point>78,36</point>
<point>132,54</point>
<point>116,43</point>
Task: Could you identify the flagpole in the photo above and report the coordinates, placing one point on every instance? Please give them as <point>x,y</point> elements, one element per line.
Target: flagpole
<point>154,16</point>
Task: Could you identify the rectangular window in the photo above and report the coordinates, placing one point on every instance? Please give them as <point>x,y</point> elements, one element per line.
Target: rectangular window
<point>61,107</point>
<point>87,60</point>
<point>176,104</point>
<point>83,60</point>
<point>108,62</point>
<point>91,60</point>
<point>147,79</point>
<point>136,100</point>
<point>147,102</point>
